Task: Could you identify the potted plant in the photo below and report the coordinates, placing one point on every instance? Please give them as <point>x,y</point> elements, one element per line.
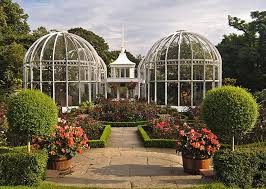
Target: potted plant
<point>197,148</point>
<point>65,143</point>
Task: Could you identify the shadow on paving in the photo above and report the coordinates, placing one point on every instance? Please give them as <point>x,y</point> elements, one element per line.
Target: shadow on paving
<point>139,170</point>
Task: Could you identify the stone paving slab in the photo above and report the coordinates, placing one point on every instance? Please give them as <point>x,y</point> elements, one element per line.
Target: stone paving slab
<point>121,165</point>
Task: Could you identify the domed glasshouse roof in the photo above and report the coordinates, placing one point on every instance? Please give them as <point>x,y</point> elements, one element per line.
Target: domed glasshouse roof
<point>64,66</point>
<point>183,45</point>
<point>62,46</point>
<point>179,69</point>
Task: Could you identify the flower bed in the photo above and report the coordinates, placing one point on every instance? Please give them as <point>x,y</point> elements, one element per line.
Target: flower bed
<point>162,132</point>
<point>120,111</point>
<point>125,124</point>
<point>97,132</point>
<point>151,142</point>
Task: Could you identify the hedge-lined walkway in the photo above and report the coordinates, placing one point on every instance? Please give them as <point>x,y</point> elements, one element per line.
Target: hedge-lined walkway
<point>124,137</point>
<point>126,164</point>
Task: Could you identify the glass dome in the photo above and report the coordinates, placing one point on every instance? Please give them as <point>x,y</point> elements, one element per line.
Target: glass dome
<point>179,69</point>
<point>66,67</point>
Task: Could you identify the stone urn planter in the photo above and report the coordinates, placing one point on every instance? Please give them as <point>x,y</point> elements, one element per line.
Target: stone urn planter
<point>59,164</point>
<point>193,166</point>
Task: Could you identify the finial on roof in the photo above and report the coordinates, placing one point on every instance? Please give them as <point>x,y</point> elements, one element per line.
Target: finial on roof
<point>123,39</point>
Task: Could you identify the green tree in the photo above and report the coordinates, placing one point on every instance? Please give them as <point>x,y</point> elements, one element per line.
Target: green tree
<point>244,55</point>
<point>13,28</point>
<point>31,113</point>
<point>229,112</point>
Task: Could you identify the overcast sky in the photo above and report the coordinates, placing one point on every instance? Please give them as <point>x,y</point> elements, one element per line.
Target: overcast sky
<point>145,21</point>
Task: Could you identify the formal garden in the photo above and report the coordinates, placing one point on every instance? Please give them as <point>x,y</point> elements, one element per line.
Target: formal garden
<point>47,139</point>
<point>74,114</point>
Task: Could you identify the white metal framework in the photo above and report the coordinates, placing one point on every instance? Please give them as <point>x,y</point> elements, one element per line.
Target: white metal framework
<point>179,69</point>
<point>66,67</point>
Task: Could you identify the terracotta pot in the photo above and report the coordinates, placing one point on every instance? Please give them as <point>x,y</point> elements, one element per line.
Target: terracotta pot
<point>60,164</point>
<point>193,166</point>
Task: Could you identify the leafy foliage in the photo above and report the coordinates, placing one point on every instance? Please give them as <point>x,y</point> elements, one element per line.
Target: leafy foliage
<point>32,113</point>
<point>91,127</point>
<point>244,55</point>
<point>20,168</point>
<point>229,111</point>
<point>3,124</point>
<point>244,167</point>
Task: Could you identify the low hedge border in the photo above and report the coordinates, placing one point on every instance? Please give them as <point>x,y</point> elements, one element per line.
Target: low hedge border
<point>102,142</point>
<point>125,124</point>
<point>244,167</point>
<point>18,167</point>
<point>159,143</point>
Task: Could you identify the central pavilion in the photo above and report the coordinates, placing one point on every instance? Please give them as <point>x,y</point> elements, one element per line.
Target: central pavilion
<point>122,83</point>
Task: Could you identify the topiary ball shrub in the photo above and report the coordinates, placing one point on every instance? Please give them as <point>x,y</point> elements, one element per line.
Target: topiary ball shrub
<point>229,111</point>
<point>32,112</point>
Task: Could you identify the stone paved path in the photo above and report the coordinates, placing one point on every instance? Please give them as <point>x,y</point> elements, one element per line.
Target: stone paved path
<point>125,163</point>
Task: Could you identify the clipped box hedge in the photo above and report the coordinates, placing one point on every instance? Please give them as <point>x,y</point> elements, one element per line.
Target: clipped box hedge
<point>125,124</point>
<point>17,167</point>
<point>244,167</point>
<point>102,142</point>
<point>159,143</point>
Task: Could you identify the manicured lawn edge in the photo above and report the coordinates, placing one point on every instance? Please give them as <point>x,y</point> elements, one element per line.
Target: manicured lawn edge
<point>102,142</point>
<point>125,124</point>
<point>159,143</point>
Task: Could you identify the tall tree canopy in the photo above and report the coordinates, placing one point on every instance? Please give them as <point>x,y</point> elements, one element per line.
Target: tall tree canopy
<point>244,55</point>
<point>13,30</point>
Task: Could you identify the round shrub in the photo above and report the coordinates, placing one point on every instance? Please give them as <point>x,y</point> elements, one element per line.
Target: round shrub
<point>229,111</point>
<point>32,112</point>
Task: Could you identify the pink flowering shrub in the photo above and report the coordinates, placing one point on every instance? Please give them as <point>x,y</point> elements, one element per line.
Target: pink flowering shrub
<point>66,141</point>
<point>199,144</point>
<point>166,128</point>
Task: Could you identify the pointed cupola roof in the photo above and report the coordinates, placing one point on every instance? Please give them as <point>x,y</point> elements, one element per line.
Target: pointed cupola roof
<point>122,58</point>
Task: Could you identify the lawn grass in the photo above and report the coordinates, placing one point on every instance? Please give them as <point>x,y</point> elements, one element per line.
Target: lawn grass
<point>47,185</point>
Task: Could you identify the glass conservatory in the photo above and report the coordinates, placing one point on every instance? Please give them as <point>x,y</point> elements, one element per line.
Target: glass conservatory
<point>66,67</point>
<point>179,69</point>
